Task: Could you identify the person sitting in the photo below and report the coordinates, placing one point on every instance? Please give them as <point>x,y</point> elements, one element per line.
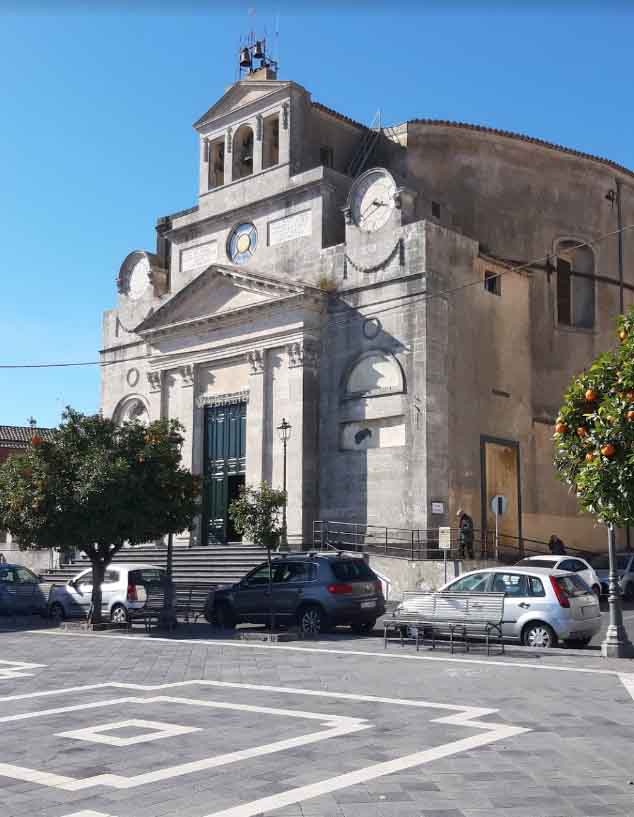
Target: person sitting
<point>556,546</point>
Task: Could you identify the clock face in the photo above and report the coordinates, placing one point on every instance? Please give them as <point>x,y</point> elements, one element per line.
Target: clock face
<point>242,243</point>
<point>373,200</point>
<point>139,279</point>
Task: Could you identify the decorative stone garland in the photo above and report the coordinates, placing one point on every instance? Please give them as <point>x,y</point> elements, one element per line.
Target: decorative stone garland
<point>396,249</point>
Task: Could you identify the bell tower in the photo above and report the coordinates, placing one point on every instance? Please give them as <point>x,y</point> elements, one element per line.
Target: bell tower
<point>254,63</point>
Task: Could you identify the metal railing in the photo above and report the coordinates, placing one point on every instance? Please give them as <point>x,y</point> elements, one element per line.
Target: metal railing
<point>422,543</point>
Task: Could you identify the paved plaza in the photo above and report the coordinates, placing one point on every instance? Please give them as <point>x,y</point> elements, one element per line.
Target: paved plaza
<point>113,725</point>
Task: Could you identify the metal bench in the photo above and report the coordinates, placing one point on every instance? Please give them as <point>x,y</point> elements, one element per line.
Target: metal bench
<point>156,603</point>
<point>190,600</point>
<point>458,615</point>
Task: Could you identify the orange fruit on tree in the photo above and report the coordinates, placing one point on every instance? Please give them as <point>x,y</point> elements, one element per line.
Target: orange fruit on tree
<point>608,450</point>
<point>590,456</point>
<point>582,431</point>
<point>561,428</point>
<point>629,395</point>
<point>591,395</point>
<point>622,335</point>
<point>630,416</point>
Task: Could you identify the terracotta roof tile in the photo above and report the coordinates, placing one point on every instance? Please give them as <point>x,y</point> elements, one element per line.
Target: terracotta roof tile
<point>523,138</point>
<point>338,115</point>
<point>20,436</point>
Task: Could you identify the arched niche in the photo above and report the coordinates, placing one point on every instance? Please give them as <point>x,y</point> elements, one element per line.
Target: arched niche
<point>131,408</point>
<point>242,152</point>
<point>372,374</point>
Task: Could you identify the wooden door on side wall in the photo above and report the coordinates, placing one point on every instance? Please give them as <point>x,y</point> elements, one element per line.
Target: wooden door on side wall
<point>225,444</point>
<point>501,476</point>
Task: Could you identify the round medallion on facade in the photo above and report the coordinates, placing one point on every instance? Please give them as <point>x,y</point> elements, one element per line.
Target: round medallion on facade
<point>242,243</point>
<point>132,377</point>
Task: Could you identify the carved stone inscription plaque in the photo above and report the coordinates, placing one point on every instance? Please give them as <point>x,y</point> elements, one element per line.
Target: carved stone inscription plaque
<point>199,256</point>
<point>290,227</point>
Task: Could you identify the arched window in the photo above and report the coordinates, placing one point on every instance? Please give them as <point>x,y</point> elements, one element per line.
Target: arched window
<point>131,408</point>
<point>243,152</point>
<point>373,374</point>
<point>575,285</point>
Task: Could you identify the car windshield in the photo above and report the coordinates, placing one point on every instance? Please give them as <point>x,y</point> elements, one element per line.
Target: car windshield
<point>352,570</point>
<point>603,563</point>
<point>537,563</point>
<point>573,585</point>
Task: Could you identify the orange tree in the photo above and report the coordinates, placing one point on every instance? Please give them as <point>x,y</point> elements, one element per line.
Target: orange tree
<point>594,432</point>
<point>95,486</point>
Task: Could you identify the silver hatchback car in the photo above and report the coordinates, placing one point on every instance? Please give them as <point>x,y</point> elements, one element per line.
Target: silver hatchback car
<point>124,588</point>
<point>541,606</point>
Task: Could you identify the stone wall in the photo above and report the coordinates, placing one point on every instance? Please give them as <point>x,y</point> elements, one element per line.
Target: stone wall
<point>406,575</point>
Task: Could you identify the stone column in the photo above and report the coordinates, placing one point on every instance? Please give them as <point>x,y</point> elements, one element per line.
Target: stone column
<point>156,380</point>
<point>257,359</point>
<point>186,411</point>
<point>302,463</point>
<point>258,143</point>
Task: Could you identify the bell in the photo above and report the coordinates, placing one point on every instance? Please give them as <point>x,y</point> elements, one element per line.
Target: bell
<point>258,50</point>
<point>245,58</point>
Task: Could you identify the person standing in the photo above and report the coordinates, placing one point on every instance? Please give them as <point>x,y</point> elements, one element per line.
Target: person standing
<point>465,535</point>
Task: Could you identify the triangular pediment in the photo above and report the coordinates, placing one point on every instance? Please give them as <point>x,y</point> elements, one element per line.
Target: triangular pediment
<point>216,292</point>
<point>239,95</point>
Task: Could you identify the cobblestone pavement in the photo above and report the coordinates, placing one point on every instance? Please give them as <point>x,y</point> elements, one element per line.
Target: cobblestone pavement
<point>113,725</point>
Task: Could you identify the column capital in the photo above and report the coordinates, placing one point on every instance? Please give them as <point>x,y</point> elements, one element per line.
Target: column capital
<point>302,353</point>
<point>256,359</point>
<point>155,379</point>
<point>187,373</point>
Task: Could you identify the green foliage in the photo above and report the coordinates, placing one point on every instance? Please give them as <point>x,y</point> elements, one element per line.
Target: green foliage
<point>256,513</point>
<point>594,438</point>
<point>97,485</point>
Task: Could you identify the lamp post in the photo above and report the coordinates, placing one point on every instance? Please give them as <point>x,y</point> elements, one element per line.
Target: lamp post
<point>616,644</point>
<point>284,430</point>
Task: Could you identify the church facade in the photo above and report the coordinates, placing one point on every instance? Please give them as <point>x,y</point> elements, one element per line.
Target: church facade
<point>412,300</point>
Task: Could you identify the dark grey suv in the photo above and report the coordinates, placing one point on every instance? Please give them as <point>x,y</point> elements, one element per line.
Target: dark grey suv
<point>314,590</point>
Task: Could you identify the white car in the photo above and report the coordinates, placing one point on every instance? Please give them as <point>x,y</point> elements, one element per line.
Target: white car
<point>542,606</point>
<point>572,564</point>
<point>123,589</point>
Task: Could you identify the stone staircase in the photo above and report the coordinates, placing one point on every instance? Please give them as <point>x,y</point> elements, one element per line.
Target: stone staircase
<point>201,565</point>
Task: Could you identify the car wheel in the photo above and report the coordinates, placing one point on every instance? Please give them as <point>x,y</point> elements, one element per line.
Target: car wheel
<point>628,593</point>
<point>119,614</point>
<point>363,627</point>
<point>538,634</point>
<point>312,620</point>
<point>57,612</point>
<point>224,617</point>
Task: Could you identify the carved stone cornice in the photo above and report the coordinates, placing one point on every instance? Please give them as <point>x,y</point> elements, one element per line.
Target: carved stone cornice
<point>222,399</point>
<point>256,360</point>
<point>187,375</point>
<point>155,379</point>
<point>302,353</point>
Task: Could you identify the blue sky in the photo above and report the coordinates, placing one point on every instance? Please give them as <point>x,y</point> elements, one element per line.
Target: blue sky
<point>96,138</point>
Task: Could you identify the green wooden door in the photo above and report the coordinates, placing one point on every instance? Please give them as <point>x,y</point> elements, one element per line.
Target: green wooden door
<point>225,446</point>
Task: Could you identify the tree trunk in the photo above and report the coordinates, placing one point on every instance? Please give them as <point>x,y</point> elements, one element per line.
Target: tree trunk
<point>98,573</point>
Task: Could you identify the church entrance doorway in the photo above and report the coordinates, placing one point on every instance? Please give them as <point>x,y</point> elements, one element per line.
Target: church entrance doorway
<point>225,448</point>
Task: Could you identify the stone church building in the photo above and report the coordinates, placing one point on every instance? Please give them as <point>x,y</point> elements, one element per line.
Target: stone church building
<point>387,292</point>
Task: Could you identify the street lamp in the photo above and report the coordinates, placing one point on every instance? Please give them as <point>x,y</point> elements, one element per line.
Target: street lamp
<point>284,430</point>
<point>616,644</point>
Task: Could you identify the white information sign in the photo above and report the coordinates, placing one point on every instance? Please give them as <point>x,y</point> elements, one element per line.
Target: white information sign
<point>444,538</point>
<point>499,504</point>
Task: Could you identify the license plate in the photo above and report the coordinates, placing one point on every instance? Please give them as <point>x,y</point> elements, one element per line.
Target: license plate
<point>366,604</point>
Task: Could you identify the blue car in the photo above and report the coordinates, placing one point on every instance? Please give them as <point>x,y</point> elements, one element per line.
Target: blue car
<point>21,591</point>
